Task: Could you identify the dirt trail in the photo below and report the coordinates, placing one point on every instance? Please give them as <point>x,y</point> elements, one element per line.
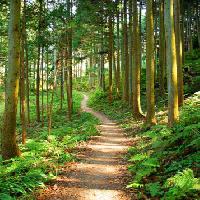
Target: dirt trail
<point>101,172</point>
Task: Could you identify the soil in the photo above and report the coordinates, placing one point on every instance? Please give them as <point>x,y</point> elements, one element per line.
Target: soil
<point>101,172</point>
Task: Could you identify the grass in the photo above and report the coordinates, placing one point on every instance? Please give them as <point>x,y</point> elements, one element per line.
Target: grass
<point>43,155</point>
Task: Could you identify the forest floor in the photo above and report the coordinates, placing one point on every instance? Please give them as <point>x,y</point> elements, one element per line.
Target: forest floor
<point>101,170</point>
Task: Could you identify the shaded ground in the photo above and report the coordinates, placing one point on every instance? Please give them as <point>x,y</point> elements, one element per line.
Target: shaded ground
<point>101,172</point>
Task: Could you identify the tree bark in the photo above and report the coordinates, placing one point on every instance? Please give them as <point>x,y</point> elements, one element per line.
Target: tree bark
<point>171,63</point>
<point>150,65</point>
<point>137,112</point>
<point>110,57</point>
<point>22,82</point>
<point>9,144</point>
<point>162,60</point>
<point>179,51</point>
<point>126,58</point>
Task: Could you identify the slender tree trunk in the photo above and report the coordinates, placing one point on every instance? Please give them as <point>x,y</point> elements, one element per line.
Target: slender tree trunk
<point>126,58</point>
<point>47,77</point>
<point>42,69</point>
<point>22,83</point>
<point>179,51</point>
<point>38,87</point>
<point>61,83</point>
<point>53,92</point>
<point>130,52</point>
<point>110,58</point>
<point>69,64</point>
<point>171,63</point>
<point>150,118</point>
<point>118,57</point>
<point>9,144</point>
<point>137,112</point>
<point>26,68</point>
<point>162,63</point>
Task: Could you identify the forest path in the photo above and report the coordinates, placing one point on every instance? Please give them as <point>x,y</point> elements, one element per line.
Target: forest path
<point>101,173</point>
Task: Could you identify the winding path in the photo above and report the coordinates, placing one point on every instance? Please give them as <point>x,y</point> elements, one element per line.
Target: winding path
<point>101,172</point>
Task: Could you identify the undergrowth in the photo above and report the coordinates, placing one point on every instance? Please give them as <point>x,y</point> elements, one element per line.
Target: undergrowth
<point>164,162</point>
<point>43,155</point>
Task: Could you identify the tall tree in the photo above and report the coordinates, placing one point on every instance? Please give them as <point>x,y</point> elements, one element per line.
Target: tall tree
<point>171,63</point>
<point>110,57</point>
<point>9,144</point>
<point>126,58</point>
<point>137,112</point>
<point>22,81</point>
<point>179,50</point>
<point>150,68</point>
<point>162,57</point>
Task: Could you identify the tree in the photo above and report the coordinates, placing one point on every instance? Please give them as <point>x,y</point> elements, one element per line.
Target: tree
<point>9,144</point>
<point>171,63</point>
<point>179,50</point>
<point>22,80</point>
<point>110,57</point>
<point>150,68</point>
<point>137,112</point>
<point>162,57</point>
<point>126,58</point>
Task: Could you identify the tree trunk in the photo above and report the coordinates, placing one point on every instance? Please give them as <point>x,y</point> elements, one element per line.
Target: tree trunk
<point>126,58</point>
<point>110,56</point>
<point>53,91</point>
<point>137,112</point>
<point>22,83</point>
<point>171,63</point>
<point>179,51</point>
<point>162,63</point>
<point>130,52</point>
<point>26,68</point>
<point>9,144</point>
<point>42,69</point>
<point>118,57</point>
<point>150,65</point>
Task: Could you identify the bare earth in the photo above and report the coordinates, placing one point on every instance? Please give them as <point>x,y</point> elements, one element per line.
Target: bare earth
<point>101,173</point>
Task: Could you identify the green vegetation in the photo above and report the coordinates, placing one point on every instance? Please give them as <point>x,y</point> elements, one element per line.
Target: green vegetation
<point>140,62</point>
<point>44,155</point>
<point>164,162</point>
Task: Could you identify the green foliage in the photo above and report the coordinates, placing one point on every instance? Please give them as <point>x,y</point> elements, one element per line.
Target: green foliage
<point>181,184</point>
<point>163,152</point>
<point>43,153</point>
<point>154,189</point>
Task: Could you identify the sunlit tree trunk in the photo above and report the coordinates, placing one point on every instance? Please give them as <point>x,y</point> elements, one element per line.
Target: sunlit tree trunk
<point>171,63</point>
<point>179,51</point>
<point>9,144</point>
<point>150,67</point>
<point>136,63</point>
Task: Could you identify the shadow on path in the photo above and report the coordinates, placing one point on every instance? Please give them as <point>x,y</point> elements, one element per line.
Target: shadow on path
<point>101,172</point>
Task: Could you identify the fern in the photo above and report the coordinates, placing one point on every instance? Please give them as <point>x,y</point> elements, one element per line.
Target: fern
<point>180,184</point>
